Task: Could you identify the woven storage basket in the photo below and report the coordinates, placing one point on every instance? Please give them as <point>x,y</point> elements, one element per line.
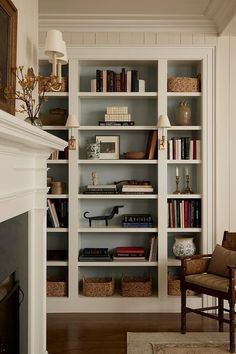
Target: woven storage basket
<point>174,287</point>
<point>183,84</point>
<point>56,288</point>
<point>62,88</point>
<point>98,286</point>
<point>136,286</point>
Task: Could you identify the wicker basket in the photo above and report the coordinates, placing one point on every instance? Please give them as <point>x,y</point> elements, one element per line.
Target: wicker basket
<point>56,288</point>
<point>98,286</point>
<point>61,88</point>
<point>174,287</point>
<point>183,84</point>
<point>136,286</point>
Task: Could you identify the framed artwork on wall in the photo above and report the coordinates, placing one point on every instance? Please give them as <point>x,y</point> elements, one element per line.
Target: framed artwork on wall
<point>8,42</point>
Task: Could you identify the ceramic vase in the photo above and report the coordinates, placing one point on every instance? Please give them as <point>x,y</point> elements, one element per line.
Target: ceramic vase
<point>183,246</point>
<point>183,114</point>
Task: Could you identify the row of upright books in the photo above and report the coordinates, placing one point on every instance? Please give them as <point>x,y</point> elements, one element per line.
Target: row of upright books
<point>184,213</point>
<point>111,81</point>
<point>57,213</point>
<point>184,148</point>
<point>59,155</point>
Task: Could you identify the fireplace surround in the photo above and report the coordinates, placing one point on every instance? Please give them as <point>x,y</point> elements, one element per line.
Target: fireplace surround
<point>24,151</point>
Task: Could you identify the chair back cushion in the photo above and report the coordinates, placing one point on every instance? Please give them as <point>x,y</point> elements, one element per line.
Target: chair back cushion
<point>221,258</point>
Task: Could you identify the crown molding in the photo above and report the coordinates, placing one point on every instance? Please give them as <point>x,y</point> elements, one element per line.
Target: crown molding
<point>221,13</point>
<point>124,23</point>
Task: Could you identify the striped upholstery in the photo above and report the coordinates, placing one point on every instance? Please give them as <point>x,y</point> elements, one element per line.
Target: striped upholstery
<point>211,281</point>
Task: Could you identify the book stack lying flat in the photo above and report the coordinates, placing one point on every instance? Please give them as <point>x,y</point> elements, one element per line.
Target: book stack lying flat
<point>137,188</point>
<point>94,255</point>
<point>129,254</point>
<point>117,115</point>
<point>137,220</point>
<point>101,189</point>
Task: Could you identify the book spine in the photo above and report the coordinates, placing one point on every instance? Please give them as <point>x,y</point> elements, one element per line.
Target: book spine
<point>98,81</point>
<point>130,249</point>
<point>134,82</point>
<point>116,123</point>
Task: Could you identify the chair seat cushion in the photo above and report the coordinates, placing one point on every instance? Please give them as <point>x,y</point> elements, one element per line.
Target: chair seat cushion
<point>210,281</point>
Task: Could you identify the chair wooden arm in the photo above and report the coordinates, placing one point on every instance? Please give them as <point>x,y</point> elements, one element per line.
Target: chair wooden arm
<point>195,265</point>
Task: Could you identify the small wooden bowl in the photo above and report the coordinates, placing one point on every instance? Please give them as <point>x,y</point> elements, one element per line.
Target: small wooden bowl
<point>134,155</point>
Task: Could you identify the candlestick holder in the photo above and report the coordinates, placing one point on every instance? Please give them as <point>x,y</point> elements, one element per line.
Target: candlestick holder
<point>187,190</point>
<point>177,191</point>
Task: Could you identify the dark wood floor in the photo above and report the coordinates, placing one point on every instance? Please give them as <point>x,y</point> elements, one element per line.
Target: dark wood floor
<point>106,333</point>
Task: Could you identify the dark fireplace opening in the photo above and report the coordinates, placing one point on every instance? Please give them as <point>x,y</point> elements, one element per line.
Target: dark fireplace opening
<point>9,315</point>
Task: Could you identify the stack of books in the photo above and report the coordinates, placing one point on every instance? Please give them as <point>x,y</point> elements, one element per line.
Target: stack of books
<point>137,188</point>
<point>94,255</point>
<point>137,220</point>
<point>129,254</point>
<point>117,115</point>
<point>101,189</point>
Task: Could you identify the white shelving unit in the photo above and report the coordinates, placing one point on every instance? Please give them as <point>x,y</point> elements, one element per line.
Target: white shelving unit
<point>155,65</point>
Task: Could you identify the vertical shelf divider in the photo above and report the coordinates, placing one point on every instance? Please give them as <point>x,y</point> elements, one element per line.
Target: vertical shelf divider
<point>162,185</point>
<point>73,186</point>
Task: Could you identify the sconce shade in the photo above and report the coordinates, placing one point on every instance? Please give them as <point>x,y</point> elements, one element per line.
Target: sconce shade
<point>64,59</point>
<point>54,43</point>
<point>72,121</point>
<point>163,122</point>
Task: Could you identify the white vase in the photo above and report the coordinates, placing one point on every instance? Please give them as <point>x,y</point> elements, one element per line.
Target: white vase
<point>183,246</point>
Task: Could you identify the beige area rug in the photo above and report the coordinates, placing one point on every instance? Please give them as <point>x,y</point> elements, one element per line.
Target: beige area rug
<point>177,343</point>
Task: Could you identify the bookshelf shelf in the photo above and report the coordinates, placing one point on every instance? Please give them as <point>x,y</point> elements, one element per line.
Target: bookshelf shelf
<point>117,162</point>
<point>117,94</point>
<point>116,229</point>
<point>155,66</point>
<point>129,128</point>
<point>118,264</point>
<point>117,196</point>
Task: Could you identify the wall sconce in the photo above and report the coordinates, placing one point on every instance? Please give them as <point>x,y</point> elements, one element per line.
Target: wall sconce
<point>71,123</point>
<point>54,48</point>
<point>61,61</point>
<point>163,123</point>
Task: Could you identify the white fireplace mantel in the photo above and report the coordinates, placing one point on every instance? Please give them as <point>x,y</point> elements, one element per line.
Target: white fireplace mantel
<point>24,151</point>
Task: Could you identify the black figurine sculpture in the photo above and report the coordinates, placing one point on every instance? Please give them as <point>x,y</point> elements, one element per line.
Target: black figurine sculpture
<point>114,211</point>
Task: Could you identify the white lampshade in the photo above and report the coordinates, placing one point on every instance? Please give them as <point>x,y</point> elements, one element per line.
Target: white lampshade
<point>72,121</point>
<point>163,122</point>
<point>54,43</point>
<point>64,59</point>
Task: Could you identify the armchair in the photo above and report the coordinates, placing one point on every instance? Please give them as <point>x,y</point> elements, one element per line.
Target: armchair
<point>213,275</point>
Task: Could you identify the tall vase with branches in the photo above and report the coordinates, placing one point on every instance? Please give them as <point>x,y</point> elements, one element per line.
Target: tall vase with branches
<point>29,88</point>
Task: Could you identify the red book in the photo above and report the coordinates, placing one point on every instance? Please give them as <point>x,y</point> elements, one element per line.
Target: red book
<point>129,249</point>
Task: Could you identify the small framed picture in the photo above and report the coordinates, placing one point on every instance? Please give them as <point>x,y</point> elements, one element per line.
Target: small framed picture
<point>109,146</point>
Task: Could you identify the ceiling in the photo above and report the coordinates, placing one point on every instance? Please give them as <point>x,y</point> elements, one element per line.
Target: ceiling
<point>216,13</point>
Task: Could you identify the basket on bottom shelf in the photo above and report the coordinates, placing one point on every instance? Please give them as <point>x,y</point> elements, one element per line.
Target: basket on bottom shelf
<point>98,286</point>
<point>136,286</point>
<point>174,287</point>
<point>56,288</point>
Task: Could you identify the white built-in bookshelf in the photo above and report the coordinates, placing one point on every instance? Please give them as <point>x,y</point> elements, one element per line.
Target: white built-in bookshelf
<point>155,65</point>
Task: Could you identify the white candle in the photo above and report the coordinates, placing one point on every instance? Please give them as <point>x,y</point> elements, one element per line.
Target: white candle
<point>177,172</point>
<point>186,171</point>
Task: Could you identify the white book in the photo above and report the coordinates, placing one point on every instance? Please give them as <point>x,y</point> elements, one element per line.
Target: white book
<point>141,85</point>
<point>151,249</point>
<point>128,80</point>
<point>104,81</point>
<point>198,149</point>
<point>103,186</point>
<point>170,150</point>
<point>138,189</point>
<point>53,213</point>
<point>191,150</point>
<point>178,155</point>
<point>93,85</point>
<point>117,110</point>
